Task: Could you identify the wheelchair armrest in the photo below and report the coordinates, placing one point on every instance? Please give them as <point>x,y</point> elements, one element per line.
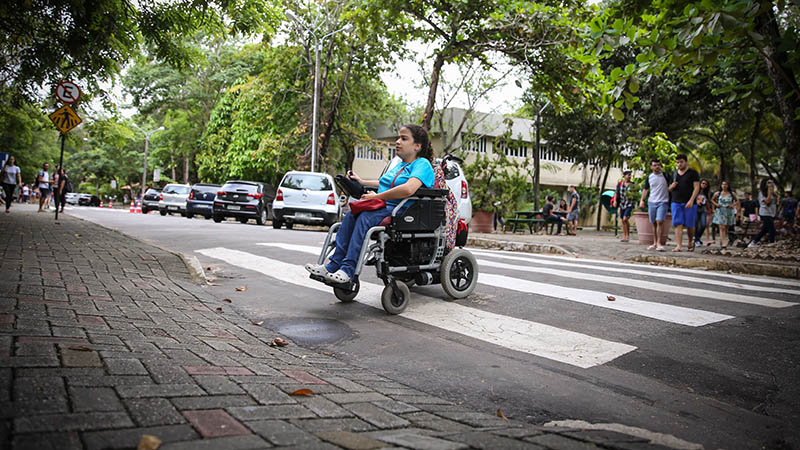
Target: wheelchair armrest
<point>427,192</point>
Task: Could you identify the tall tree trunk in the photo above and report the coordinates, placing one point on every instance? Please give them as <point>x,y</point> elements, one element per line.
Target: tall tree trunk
<point>753,170</point>
<point>428,114</point>
<point>185,169</point>
<point>331,118</point>
<point>787,92</point>
<point>599,202</point>
<point>172,164</point>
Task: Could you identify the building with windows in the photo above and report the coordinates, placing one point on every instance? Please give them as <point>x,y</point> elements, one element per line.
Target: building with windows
<point>484,134</point>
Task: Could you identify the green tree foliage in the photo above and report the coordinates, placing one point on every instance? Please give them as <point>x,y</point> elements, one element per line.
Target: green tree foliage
<point>493,179</point>
<point>44,41</point>
<point>29,135</point>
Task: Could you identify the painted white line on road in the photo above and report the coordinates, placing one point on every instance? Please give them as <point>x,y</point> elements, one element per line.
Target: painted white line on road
<point>516,334</point>
<point>660,287</point>
<point>659,311</point>
<point>694,279</point>
<point>760,279</point>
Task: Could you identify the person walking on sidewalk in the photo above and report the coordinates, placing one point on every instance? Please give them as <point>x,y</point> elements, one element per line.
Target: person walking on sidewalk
<point>573,210</point>
<point>685,187</point>
<point>767,210</point>
<point>64,186</point>
<point>703,212</point>
<point>657,186</point>
<point>43,184</point>
<point>724,201</point>
<point>625,204</point>
<point>11,178</point>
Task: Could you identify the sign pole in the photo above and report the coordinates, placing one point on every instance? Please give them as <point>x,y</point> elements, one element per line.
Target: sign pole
<point>61,167</point>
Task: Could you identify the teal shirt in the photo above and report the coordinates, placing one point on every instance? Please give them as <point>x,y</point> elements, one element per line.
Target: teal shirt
<point>420,169</point>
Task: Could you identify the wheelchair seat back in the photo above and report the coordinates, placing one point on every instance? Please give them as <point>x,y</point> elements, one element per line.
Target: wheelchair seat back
<point>426,214</point>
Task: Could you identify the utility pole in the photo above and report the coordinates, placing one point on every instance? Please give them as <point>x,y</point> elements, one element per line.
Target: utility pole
<point>536,170</point>
<point>146,145</point>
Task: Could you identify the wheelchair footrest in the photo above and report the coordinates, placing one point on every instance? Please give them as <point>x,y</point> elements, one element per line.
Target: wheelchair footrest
<point>346,286</point>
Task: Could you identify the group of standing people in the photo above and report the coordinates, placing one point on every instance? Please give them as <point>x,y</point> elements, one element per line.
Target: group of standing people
<point>689,200</point>
<point>45,185</point>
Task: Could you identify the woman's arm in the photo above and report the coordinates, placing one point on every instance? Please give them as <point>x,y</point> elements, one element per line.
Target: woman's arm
<point>406,189</point>
<point>714,199</point>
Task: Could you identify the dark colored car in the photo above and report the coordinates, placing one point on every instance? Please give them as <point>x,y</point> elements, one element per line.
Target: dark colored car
<point>88,200</point>
<point>244,200</point>
<point>201,200</point>
<point>150,200</point>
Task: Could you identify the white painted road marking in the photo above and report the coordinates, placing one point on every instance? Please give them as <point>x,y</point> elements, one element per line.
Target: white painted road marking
<point>521,335</point>
<point>659,311</point>
<point>650,273</point>
<point>661,287</point>
<point>761,279</point>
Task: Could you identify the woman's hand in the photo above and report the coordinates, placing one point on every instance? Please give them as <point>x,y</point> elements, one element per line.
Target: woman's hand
<point>369,195</point>
<point>352,175</point>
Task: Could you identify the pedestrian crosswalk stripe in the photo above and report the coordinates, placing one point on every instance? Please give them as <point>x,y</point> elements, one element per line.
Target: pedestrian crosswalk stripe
<point>644,284</point>
<point>534,338</point>
<point>660,311</point>
<point>653,310</point>
<point>649,273</point>
<point>705,273</point>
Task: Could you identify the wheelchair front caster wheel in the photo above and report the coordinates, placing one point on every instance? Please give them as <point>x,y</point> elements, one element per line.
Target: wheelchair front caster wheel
<point>459,273</point>
<point>394,301</point>
<point>347,295</point>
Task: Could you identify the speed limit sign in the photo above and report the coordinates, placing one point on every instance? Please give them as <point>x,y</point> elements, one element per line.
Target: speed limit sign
<point>68,92</point>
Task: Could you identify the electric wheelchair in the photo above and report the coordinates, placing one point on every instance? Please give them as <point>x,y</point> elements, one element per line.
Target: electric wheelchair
<point>407,248</point>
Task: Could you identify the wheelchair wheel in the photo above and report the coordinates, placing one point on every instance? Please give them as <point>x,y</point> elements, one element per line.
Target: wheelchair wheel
<point>395,302</point>
<point>345,295</point>
<point>459,273</point>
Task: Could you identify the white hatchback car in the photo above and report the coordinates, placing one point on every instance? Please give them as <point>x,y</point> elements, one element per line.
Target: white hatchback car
<point>454,177</point>
<point>173,199</point>
<point>308,198</point>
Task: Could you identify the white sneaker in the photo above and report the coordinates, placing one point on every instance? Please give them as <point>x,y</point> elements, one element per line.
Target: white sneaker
<point>338,277</point>
<point>752,244</point>
<point>316,269</point>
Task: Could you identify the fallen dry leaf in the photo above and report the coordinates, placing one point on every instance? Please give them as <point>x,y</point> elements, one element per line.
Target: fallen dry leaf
<point>280,342</point>
<point>149,442</point>
<point>226,300</point>
<point>500,414</point>
<point>241,288</point>
<point>80,348</point>
<point>219,309</point>
<point>260,322</point>
<point>611,298</point>
<point>306,392</point>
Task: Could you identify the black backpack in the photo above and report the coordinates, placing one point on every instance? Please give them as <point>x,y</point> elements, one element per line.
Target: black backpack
<point>67,185</point>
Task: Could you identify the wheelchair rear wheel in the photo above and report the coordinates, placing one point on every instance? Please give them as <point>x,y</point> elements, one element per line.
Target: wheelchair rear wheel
<point>459,273</point>
<point>347,295</point>
<point>395,301</point>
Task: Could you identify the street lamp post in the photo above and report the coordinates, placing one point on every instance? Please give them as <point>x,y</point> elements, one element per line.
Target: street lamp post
<point>536,157</point>
<point>315,106</point>
<point>146,144</point>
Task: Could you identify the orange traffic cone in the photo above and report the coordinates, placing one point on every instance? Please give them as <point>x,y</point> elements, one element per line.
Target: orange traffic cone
<point>133,208</point>
<point>138,207</point>
<point>110,204</point>
<point>101,202</point>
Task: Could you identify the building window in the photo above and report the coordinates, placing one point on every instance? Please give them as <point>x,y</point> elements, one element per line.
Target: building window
<point>371,151</point>
<point>519,150</point>
<point>473,143</point>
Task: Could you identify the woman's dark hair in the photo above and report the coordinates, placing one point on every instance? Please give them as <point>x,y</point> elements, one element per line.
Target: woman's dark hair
<point>763,186</point>
<point>707,191</point>
<point>421,137</point>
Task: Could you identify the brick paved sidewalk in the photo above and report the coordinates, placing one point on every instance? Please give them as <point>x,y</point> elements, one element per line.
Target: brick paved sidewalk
<point>104,339</point>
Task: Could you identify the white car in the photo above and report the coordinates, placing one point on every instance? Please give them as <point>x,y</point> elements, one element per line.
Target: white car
<point>71,198</point>
<point>308,198</point>
<point>173,199</point>
<point>454,177</point>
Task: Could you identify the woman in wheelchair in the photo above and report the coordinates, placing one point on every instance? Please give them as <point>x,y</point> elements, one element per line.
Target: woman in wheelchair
<point>414,148</point>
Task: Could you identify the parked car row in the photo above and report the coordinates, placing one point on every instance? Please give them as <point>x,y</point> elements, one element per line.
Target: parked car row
<point>301,197</point>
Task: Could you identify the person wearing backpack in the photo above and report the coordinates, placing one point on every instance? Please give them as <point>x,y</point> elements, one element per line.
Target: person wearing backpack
<point>43,184</point>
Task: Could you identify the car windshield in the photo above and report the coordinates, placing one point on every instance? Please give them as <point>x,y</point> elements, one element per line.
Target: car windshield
<point>307,181</point>
<point>176,189</point>
<point>249,188</point>
<point>152,191</point>
<point>452,171</point>
<point>205,188</point>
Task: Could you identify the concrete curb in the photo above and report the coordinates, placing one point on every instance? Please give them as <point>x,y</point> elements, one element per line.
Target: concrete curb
<point>749,268</point>
<point>517,246</point>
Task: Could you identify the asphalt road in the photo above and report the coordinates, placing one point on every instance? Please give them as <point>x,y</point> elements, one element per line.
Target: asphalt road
<point>709,358</point>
